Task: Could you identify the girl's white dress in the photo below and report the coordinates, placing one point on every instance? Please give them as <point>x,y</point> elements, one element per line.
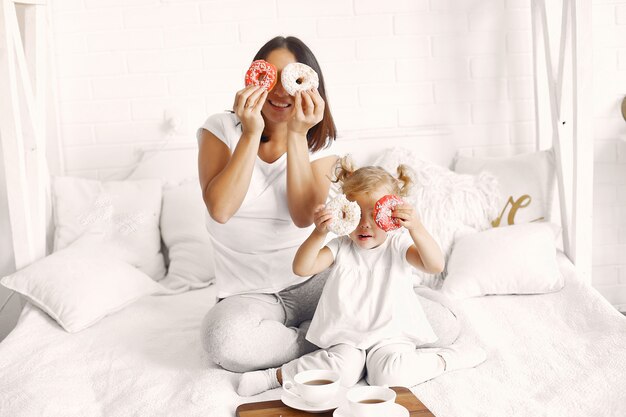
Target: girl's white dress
<point>368,297</point>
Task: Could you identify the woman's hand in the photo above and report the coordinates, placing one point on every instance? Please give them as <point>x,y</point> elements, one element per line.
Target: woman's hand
<point>309,111</point>
<point>406,216</point>
<point>247,106</point>
<point>322,218</point>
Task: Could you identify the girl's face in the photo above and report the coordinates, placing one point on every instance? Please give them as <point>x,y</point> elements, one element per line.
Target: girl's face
<point>279,106</point>
<point>367,235</point>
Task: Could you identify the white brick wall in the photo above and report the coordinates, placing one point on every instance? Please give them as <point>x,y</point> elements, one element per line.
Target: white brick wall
<point>465,64</point>
<point>609,260</point>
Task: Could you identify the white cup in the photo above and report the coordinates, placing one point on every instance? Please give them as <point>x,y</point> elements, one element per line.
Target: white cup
<point>371,401</point>
<point>314,387</point>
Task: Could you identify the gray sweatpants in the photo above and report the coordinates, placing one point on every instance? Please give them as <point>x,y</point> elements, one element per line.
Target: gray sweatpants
<point>248,332</point>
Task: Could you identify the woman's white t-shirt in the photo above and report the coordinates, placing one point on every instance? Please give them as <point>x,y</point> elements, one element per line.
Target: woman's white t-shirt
<point>369,297</point>
<point>254,250</point>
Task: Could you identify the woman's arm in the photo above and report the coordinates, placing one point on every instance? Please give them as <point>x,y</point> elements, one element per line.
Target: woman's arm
<point>425,253</point>
<point>310,259</point>
<point>307,182</point>
<point>225,177</point>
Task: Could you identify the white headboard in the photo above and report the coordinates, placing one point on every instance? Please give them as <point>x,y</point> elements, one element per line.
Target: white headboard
<point>177,163</point>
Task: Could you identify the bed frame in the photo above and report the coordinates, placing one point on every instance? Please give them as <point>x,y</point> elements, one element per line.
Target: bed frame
<point>29,127</point>
<point>32,150</point>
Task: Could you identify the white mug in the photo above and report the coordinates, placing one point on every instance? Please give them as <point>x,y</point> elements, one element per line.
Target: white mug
<point>371,401</point>
<point>314,387</point>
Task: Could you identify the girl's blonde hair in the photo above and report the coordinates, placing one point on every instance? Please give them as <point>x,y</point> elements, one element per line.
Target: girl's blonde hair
<point>370,178</point>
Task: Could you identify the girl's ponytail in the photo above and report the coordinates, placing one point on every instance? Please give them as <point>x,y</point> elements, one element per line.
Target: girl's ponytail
<point>344,169</point>
<point>367,179</point>
<point>405,179</point>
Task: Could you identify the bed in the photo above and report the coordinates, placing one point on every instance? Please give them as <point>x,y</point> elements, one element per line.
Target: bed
<point>90,344</point>
<point>559,354</point>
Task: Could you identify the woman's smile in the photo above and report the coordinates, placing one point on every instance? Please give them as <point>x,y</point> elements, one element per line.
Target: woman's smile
<point>279,105</point>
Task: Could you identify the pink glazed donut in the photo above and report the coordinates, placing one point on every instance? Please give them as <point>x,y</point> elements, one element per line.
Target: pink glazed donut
<point>382,212</point>
<point>261,73</point>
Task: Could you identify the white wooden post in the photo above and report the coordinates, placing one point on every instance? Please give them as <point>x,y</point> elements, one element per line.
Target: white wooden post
<point>540,83</point>
<point>54,142</point>
<point>554,84</point>
<point>23,145</point>
<point>31,54</point>
<point>582,80</point>
<point>570,116</point>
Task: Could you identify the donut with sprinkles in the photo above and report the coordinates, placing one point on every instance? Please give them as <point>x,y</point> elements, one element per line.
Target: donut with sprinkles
<point>261,73</point>
<point>382,212</point>
<point>346,215</point>
<point>298,77</point>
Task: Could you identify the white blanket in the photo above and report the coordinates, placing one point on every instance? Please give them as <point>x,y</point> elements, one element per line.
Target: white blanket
<point>561,354</point>
<point>145,360</point>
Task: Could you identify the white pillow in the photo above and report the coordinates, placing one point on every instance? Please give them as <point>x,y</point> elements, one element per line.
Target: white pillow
<point>124,214</point>
<point>527,185</point>
<point>187,240</point>
<point>80,285</point>
<point>445,201</point>
<point>519,259</point>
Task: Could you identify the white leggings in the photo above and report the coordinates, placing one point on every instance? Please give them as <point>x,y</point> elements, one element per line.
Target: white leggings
<point>393,364</point>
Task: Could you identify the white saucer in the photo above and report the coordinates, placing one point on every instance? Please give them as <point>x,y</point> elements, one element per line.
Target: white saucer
<point>396,411</point>
<point>299,404</point>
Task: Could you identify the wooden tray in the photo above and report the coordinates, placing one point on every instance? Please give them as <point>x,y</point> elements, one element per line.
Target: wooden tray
<point>276,408</point>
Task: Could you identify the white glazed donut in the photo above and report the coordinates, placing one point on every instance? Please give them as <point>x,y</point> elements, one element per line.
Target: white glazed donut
<point>298,77</point>
<point>346,215</point>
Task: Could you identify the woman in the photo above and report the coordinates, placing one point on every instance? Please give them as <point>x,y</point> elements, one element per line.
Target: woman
<point>263,169</point>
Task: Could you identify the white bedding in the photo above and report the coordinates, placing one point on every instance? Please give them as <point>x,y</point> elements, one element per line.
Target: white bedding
<point>560,354</point>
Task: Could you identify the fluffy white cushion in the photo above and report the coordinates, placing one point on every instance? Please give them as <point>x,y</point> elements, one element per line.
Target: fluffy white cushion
<point>189,247</point>
<point>79,285</point>
<point>124,214</point>
<point>446,202</point>
<point>527,179</point>
<point>519,259</point>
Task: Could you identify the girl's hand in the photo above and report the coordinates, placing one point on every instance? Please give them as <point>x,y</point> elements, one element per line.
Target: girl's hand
<point>247,106</point>
<point>309,111</point>
<point>322,218</point>
<point>406,216</point>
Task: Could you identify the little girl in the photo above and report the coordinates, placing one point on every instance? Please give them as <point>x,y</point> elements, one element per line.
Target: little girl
<point>368,318</point>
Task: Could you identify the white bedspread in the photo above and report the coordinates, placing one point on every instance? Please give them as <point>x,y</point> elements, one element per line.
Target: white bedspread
<point>145,360</point>
<point>561,354</point>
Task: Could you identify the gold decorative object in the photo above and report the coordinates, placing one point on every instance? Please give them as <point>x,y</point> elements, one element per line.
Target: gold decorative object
<point>521,202</point>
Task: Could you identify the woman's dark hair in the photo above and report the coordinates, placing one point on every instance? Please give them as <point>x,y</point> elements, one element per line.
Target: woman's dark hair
<point>323,133</point>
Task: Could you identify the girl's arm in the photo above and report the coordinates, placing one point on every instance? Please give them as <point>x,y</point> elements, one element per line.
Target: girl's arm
<point>225,177</point>
<point>425,253</point>
<point>312,256</point>
<point>307,183</point>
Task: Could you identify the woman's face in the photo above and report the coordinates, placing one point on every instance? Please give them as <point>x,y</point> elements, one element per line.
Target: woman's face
<point>279,106</point>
